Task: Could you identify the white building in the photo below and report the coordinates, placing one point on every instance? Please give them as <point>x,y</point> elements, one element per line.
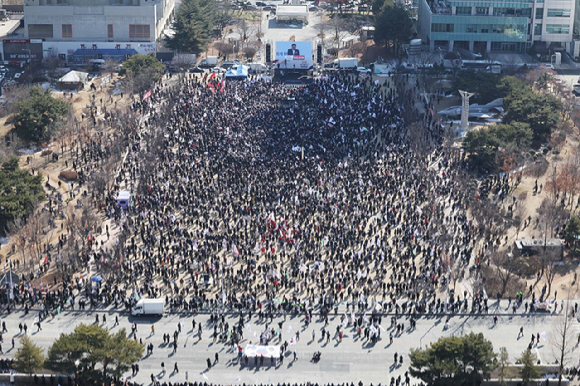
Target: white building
<point>96,29</point>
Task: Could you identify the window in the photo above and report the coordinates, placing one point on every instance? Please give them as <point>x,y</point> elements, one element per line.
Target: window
<point>110,34</point>
<point>539,13</point>
<point>471,28</point>
<point>558,29</point>
<point>463,11</point>
<point>555,12</point>
<point>481,10</point>
<point>40,31</point>
<point>139,31</point>
<point>537,29</point>
<point>440,27</point>
<point>67,31</point>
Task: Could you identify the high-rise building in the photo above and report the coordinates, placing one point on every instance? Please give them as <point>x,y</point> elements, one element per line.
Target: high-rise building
<point>497,25</point>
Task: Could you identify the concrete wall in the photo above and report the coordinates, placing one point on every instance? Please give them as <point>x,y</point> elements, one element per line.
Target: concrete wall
<point>90,23</point>
<point>89,19</point>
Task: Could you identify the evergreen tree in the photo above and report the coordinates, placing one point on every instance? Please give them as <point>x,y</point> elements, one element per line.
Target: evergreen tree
<point>193,25</point>
<point>393,27</point>
<point>91,345</point>
<point>36,115</point>
<point>529,370</point>
<point>29,358</point>
<point>454,360</point>
<point>19,191</point>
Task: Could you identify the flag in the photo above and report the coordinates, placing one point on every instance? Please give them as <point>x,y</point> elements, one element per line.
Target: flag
<point>212,75</point>
<point>147,95</point>
<point>235,251</point>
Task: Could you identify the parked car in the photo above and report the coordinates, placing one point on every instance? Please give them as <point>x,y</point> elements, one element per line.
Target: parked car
<point>18,75</point>
<point>196,70</point>
<point>218,70</point>
<point>363,70</point>
<point>313,8</point>
<point>260,4</point>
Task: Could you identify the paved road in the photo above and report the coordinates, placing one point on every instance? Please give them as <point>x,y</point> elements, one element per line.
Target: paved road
<point>353,359</point>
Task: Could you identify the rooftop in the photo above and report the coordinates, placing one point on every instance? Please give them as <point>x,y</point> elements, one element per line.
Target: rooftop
<point>292,9</point>
<point>536,243</point>
<point>9,26</point>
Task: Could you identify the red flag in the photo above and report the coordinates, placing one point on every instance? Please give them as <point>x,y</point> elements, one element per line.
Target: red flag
<point>212,75</point>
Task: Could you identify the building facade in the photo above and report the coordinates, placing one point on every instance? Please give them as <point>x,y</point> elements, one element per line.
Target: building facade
<point>96,29</point>
<point>497,25</point>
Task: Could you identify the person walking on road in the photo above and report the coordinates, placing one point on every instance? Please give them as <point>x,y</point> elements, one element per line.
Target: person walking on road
<point>175,368</point>
<point>163,369</point>
<point>208,363</point>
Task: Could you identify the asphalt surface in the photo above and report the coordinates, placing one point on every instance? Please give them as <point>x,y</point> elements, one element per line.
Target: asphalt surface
<point>353,359</point>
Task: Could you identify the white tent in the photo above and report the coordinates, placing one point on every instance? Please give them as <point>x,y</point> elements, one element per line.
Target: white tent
<point>73,80</point>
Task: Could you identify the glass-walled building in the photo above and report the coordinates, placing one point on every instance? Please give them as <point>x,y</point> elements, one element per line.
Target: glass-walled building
<point>497,26</point>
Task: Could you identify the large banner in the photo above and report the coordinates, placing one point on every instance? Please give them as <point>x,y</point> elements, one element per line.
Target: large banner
<point>294,54</point>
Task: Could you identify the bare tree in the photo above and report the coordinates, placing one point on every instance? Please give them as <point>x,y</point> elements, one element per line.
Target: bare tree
<point>504,268</point>
<point>183,62</point>
<point>110,66</point>
<point>339,30</point>
<point>549,268</point>
<point>562,335</point>
<point>503,362</point>
<point>224,48</point>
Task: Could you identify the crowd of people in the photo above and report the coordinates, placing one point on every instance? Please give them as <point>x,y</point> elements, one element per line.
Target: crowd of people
<point>264,198</point>
<point>258,197</point>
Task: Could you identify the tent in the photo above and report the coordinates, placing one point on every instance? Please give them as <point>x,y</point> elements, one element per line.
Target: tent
<point>238,72</point>
<point>73,80</point>
<point>124,199</point>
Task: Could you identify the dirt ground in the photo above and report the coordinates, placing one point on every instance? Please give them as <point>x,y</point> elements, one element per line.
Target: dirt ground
<point>80,103</point>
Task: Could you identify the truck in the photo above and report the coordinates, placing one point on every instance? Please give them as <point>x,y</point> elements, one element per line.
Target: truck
<point>148,307</point>
<point>210,61</point>
<point>350,63</point>
<point>257,68</point>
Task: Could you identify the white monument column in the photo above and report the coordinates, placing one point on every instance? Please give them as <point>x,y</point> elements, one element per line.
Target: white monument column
<point>465,109</point>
